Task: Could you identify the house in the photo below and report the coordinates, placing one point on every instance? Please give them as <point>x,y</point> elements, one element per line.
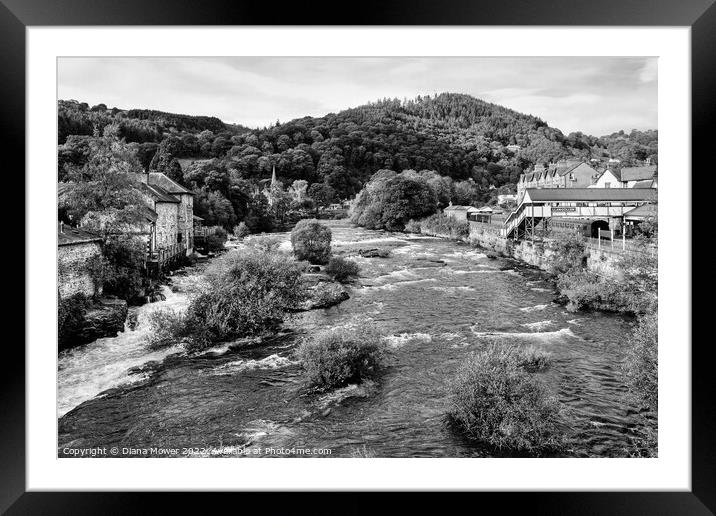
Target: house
<point>609,178</point>
<point>503,199</point>
<point>459,212</point>
<point>166,225</point>
<point>184,227</point>
<point>563,174</point>
<point>78,253</point>
<point>632,175</point>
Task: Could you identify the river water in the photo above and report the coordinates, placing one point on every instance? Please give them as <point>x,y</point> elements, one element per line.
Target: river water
<point>436,300</point>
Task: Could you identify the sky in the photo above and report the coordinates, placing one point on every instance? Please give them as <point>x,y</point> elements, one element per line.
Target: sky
<point>595,95</point>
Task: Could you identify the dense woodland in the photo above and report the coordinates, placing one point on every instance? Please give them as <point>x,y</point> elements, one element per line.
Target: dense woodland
<point>457,136</point>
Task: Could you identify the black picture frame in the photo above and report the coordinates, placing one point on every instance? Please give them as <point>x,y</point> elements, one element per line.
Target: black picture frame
<point>700,15</point>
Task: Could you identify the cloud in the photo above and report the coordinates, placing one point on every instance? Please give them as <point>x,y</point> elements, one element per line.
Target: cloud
<point>649,72</point>
<point>596,95</point>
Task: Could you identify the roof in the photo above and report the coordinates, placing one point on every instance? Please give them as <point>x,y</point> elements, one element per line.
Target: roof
<point>591,194</point>
<point>614,171</point>
<point>67,235</point>
<point>457,207</point>
<point>646,183</point>
<point>172,187</point>
<point>158,193</point>
<point>197,217</point>
<point>638,173</point>
<point>149,213</point>
<point>642,212</point>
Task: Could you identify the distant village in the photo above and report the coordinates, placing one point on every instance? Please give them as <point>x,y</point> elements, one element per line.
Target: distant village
<point>570,195</point>
<point>575,196</point>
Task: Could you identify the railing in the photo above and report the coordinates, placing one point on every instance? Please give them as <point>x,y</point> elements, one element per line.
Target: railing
<point>166,254</point>
<point>204,231</point>
<point>619,245</point>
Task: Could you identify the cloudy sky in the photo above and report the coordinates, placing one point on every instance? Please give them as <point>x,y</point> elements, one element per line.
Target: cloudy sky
<point>595,95</point>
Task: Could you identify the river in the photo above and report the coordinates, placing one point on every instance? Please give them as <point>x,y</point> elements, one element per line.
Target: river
<point>116,392</point>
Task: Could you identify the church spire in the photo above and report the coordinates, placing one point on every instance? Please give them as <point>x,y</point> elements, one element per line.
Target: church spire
<point>273,176</point>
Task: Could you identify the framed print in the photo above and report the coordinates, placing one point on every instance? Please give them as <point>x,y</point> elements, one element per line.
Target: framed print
<point>416,253</point>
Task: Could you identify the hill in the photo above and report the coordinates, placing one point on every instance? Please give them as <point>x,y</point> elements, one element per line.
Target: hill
<point>481,147</point>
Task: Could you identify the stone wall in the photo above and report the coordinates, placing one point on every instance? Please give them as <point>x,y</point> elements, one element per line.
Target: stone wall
<point>539,253</point>
<point>167,223</point>
<point>74,265</point>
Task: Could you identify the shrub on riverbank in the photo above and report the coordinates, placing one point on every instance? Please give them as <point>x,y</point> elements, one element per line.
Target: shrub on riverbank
<point>341,269</point>
<point>241,230</point>
<point>569,253</point>
<point>215,242</point>
<point>586,290</point>
<point>167,327</point>
<point>641,363</point>
<point>440,224</point>
<point>247,292</point>
<point>338,356</point>
<point>495,401</point>
<point>264,243</point>
<point>413,226</point>
<point>311,241</point>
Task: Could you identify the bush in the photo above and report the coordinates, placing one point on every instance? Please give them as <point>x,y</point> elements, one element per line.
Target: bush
<point>532,359</point>
<point>641,364</point>
<point>215,242</point>
<point>569,253</point>
<point>341,269</point>
<point>125,256</point>
<point>413,226</point>
<point>496,402</point>
<point>166,327</point>
<point>311,241</point>
<point>338,356</point>
<point>246,293</point>
<point>326,295</point>
<point>241,230</point>
<point>587,291</point>
<point>264,243</point>
<point>442,225</point>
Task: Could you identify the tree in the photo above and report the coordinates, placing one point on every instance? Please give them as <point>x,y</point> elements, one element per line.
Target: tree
<point>103,195</point>
<point>214,208</point>
<point>322,194</point>
<point>311,241</point>
<point>406,199</point>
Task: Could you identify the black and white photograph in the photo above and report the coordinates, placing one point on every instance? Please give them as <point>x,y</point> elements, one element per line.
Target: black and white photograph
<point>357,257</point>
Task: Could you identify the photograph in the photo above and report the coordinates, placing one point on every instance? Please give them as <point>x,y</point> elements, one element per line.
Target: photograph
<point>357,257</point>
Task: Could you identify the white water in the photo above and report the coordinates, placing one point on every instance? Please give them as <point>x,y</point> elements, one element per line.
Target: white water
<point>87,370</point>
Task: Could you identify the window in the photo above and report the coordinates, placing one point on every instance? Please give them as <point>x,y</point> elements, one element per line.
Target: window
<point>179,237</point>
<point>607,185</point>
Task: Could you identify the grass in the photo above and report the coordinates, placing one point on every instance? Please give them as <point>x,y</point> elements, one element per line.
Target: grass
<point>495,401</point>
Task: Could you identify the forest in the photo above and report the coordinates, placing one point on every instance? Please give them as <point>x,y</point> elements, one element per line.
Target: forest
<point>467,140</point>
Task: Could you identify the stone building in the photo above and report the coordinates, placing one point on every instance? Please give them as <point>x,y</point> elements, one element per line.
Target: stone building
<point>174,206</point>
<point>167,222</point>
<point>185,209</point>
<point>78,252</point>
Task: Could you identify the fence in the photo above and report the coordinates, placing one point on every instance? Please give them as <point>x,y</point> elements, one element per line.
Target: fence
<point>204,231</point>
<point>621,246</point>
<point>167,255</point>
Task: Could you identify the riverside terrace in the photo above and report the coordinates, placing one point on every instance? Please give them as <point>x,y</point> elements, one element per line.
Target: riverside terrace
<point>605,208</point>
